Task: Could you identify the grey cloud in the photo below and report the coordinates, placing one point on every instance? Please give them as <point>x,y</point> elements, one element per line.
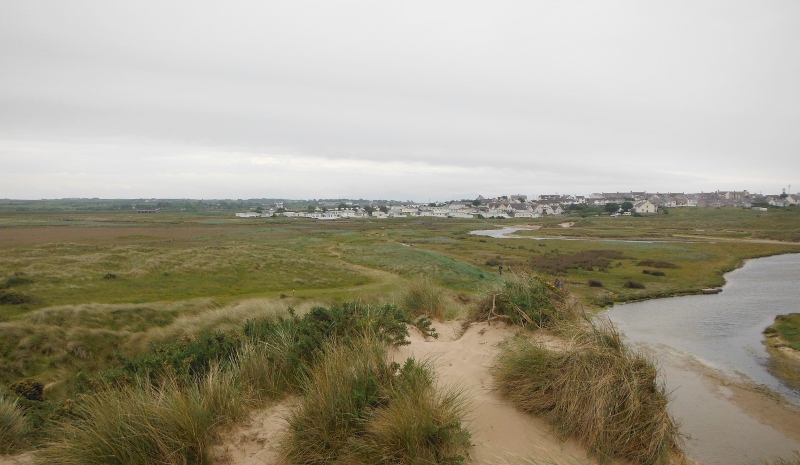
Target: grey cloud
<point>678,94</point>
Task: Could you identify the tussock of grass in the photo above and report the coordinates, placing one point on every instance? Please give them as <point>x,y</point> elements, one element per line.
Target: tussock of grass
<point>420,424</point>
<point>526,298</point>
<point>13,425</point>
<point>657,264</point>
<point>631,284</point>
<point>598,391</point>
<point>424,298</point>
<point>356,409</point>
<point>143,424</point>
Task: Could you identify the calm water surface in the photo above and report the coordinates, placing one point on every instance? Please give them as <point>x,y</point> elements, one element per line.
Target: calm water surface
<point>723,330</point>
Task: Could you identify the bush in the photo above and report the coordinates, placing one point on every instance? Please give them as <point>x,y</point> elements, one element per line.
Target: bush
<point>423,298</point>
<point>15,298</point>
<point>597,391</point>
<point>560,263</point>
<point>657,264</point>
<point>523,298</point>
<point>29,389</point>
<point>18,279</point>
<point>653,272</point>
<point>13,425</point>
<point>595,283</point>
<point>358,409</point>
<point>630,284</point>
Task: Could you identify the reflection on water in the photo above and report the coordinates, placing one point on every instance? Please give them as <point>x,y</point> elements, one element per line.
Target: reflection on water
<point>724,331</point>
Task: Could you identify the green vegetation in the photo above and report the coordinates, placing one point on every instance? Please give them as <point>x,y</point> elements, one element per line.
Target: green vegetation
<point>422,298</point>
<point>357,409</point>
<point>787,327</point>
<point>782,336</point>
<point>96,300</point>
<point>596,390</point>
<point>166,406</point>
<point>523,298</point>
<point>13,425</point>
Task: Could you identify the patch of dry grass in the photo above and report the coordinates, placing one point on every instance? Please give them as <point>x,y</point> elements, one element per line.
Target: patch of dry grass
<point>598,391</point>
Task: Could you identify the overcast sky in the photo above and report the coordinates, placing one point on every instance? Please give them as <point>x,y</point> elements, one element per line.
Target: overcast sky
<point>403,100</point>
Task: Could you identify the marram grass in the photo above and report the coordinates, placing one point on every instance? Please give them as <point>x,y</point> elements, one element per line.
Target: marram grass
<point>597,391</point>
<point>13,425</point>
<point>358,409</point>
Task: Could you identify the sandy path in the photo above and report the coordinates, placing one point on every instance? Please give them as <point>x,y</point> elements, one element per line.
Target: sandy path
<point>500,432</point>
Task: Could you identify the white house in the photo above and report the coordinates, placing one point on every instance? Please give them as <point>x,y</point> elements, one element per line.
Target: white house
<point>248,215</point>
<point>645,206</point>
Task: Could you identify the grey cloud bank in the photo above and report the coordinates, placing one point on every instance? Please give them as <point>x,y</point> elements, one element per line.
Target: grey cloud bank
<point>411,100</point>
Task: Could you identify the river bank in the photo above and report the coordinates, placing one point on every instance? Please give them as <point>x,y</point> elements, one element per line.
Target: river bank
<point>710,348</point>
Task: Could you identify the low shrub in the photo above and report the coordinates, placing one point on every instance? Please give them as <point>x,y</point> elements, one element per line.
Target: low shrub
<point>15,298</point>
<point>13,425</point>
<point>597,391</point>
<point>424,298</point>
<point>630,284</point>
<point>559,263</point>
<point>524,298</point>
<point>29,389</point>
<point>17,279</point>
<point>653,272</point>
<point>188,358</point>
<point>657,264</point>
<point>595,283</point>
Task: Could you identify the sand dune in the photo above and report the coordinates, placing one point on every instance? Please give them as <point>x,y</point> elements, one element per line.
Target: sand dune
<point>500,432</point>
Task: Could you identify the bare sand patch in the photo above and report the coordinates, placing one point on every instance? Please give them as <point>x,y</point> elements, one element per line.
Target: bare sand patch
<point>20,459</point>
<point>255,443</point>
<point>566,224</point>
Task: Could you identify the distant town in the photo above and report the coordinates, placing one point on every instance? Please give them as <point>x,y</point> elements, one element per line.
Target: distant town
<point>520,206</point>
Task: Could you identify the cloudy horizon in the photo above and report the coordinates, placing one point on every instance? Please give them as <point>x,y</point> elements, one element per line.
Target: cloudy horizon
<point>406,100</point>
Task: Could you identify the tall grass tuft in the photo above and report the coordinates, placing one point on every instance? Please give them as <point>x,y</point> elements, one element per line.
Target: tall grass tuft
<point>171,424</point>
<point>424,298</point>
<point>341,387</point>
<point>356,408</point>
<point>526,298</point>
<point>420,424</point>
<point>598,391</point>
<point>13,425</point>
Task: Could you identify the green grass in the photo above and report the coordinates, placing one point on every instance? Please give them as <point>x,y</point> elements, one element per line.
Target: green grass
<point>788,329</point>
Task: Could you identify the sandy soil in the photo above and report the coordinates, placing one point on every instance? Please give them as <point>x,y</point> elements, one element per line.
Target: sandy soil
<point>500,432</point>
<point>21,459</point>
<point>566,224</point>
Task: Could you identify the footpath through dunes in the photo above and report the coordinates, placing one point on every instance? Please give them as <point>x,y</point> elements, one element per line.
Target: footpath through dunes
<point>500,432</point>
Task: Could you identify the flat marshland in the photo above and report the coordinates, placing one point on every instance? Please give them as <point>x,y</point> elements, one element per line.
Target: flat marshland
<point>216,316</point>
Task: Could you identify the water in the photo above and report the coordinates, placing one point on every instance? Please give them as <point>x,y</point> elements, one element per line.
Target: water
<point>723,330</point>
<point>506,233</point>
